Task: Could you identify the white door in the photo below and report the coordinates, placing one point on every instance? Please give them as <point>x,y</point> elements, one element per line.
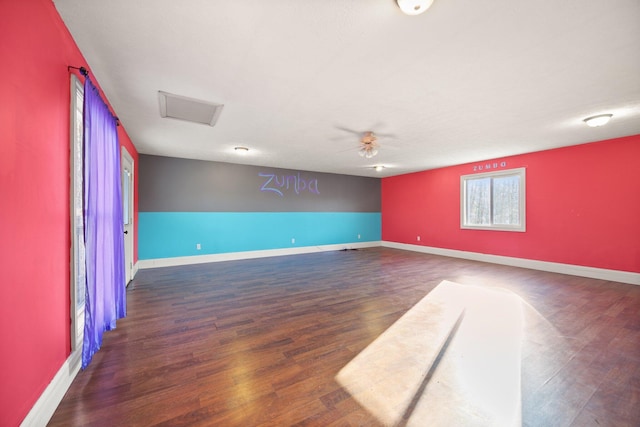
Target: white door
<point>127,212</point>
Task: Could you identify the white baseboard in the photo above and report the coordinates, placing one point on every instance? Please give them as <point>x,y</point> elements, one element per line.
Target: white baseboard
<point>553,267</point>
<point>232,256</point>
<point>49,400</point>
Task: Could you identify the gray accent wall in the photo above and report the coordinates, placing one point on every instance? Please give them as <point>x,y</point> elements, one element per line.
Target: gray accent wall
<point>170,184</point>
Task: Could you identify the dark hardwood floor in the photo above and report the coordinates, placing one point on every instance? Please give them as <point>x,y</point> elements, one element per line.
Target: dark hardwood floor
<point>260,343</point>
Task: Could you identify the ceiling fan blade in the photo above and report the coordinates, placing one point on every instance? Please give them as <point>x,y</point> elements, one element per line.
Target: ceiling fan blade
<point>386,135</point>
<point>349,150</point>
<point>381,125</point>
<point>356,132</point>
<point>363,133</point>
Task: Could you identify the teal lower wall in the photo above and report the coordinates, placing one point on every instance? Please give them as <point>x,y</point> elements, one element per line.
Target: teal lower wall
<point>176,234</point>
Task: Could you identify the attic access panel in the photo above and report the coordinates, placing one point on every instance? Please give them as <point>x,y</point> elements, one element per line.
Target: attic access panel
<point>189,109</point>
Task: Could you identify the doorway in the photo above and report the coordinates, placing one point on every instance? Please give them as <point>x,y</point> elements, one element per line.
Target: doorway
<point>126,164</point>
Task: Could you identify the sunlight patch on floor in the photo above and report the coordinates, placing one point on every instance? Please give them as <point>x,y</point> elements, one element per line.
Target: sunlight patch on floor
<point>452,359</point>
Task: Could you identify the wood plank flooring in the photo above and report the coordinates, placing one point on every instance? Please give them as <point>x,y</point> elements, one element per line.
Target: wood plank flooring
<point>260,343</point>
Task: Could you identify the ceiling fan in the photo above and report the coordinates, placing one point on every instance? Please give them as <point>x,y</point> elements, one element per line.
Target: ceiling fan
<point>368,145</point>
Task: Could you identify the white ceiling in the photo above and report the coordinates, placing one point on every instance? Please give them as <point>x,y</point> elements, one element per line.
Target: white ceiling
<point>465,81</point>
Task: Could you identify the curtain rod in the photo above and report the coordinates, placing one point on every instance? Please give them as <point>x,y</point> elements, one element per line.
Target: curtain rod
<point>82,70</point>
<point>85,73</point>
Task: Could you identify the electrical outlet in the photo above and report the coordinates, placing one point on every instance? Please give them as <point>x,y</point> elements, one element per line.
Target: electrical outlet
<point>418,238</point>
<point>198,247</point>
<point>293,240</point>
<point>358,237</point>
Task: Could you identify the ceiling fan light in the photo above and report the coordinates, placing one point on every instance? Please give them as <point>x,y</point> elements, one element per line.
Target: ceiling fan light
<point>599,120</point>
<point>371,153</point>
<point>414,7</point>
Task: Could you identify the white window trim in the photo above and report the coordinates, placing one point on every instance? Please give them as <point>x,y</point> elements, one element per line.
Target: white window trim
<point>77,262</point>
<point>521,172</point>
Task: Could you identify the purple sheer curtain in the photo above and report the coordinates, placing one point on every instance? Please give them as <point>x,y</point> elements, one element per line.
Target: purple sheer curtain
<point>103,225</point>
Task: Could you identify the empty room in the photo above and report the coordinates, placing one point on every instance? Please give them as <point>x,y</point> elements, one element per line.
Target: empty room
<point>344,213</point>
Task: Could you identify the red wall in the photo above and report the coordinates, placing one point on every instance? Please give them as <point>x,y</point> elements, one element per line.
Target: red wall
<point>583,207</point>
<point>36,49</point>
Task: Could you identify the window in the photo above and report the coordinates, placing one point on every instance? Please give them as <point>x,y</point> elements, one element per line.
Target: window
<point>493,200</point>
<point>78,272</point>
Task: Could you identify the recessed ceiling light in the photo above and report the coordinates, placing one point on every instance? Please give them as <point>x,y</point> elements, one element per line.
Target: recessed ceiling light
<point>599,120</point>
<point>378,168</point>
<point>414,7</point>
<point>241,150</point>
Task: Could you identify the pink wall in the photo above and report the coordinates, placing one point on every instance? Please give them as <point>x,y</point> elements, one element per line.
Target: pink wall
<point>583,207</point>
<point>36,49</point>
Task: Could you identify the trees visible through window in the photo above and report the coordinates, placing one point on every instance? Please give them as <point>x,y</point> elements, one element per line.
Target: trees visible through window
<point>493,200</point>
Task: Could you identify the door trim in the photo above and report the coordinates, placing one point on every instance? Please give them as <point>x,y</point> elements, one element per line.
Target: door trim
<point>127,160</point>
